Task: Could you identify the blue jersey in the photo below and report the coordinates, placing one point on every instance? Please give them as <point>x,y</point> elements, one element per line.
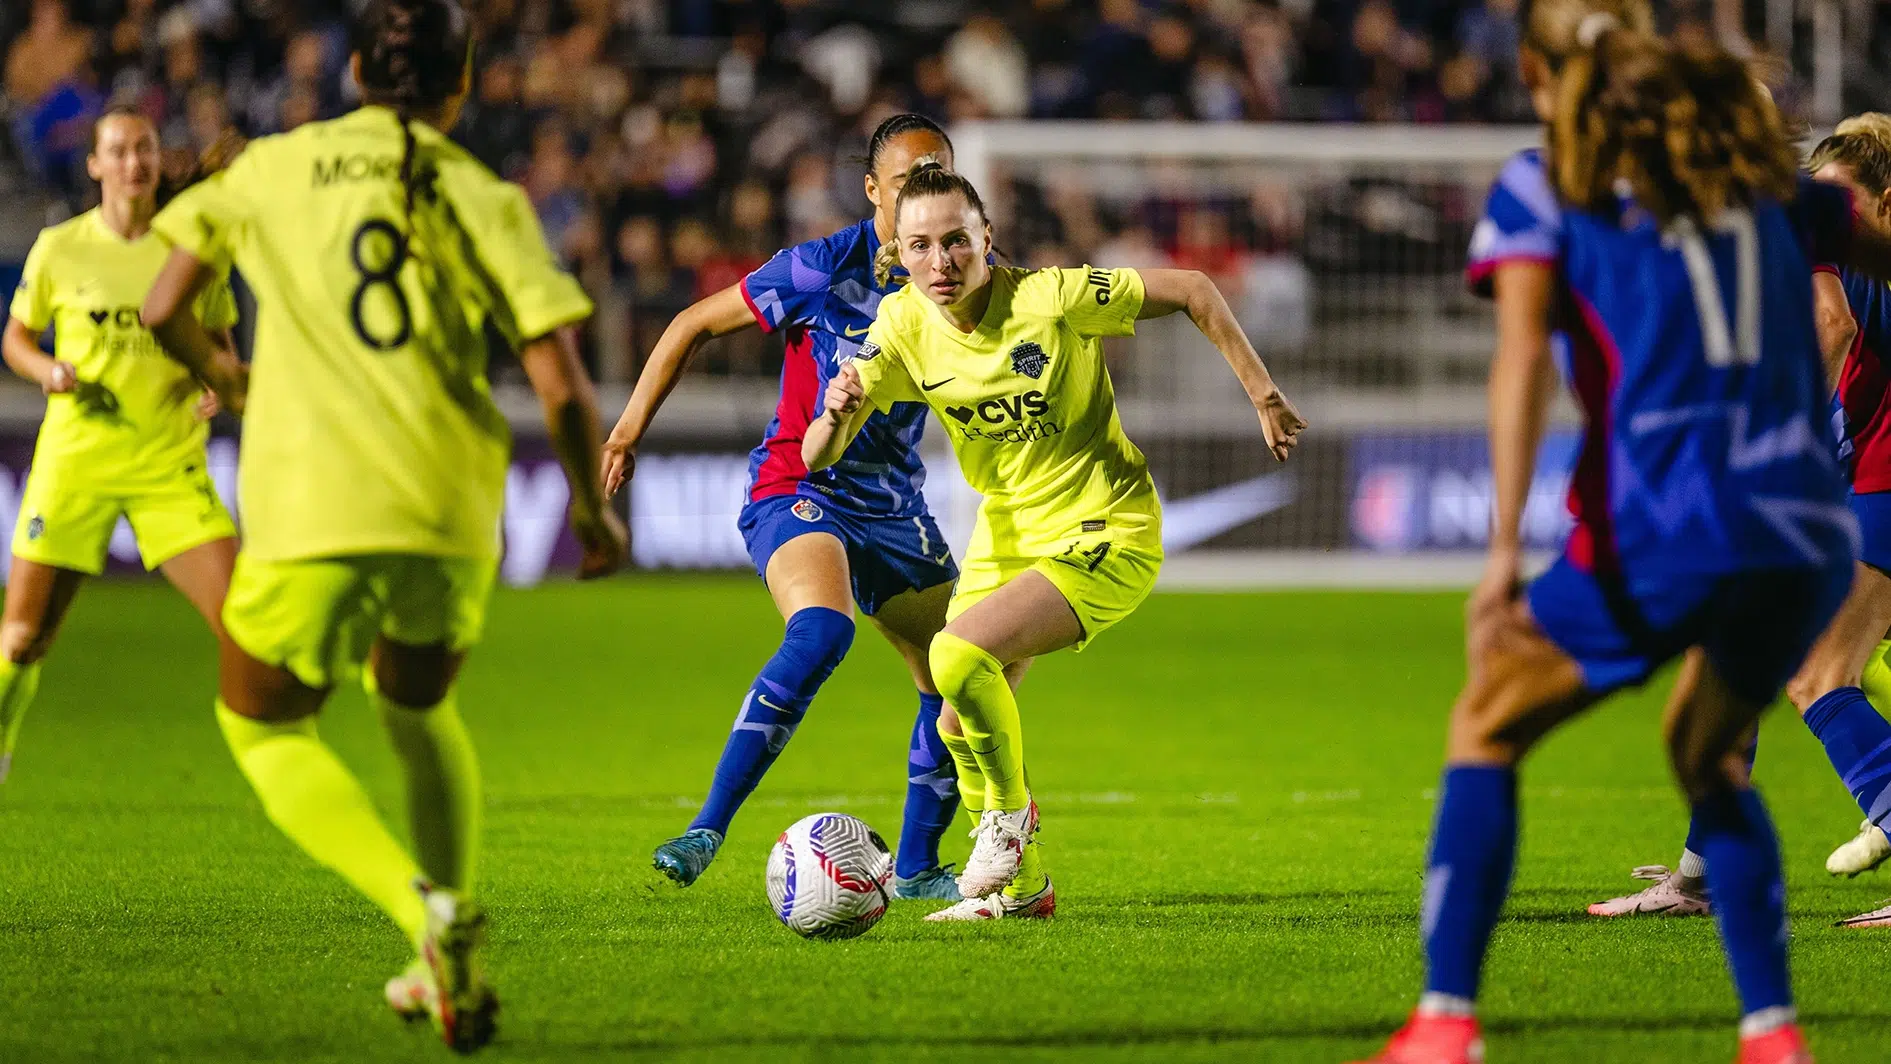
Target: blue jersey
<point>823,293</point>
<point>1862,405</point>
<point>1707,446</point>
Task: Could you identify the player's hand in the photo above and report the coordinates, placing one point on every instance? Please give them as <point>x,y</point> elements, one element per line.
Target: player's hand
<point>605,541</point>
<point>620,463</point>
<point>1495,608</point>
<point>208,405</point>
<point>844,392</point>
<point>228,379</point>
<point>1281,424</point>
<point>61,378</point>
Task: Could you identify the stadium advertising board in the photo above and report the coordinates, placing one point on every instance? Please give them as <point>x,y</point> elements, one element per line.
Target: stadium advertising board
<point>1431,491</point>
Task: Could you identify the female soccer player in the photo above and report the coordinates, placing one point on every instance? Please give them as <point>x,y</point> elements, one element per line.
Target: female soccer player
<point>1668,235</point>
<point>1069,536</point>
<point>823,541</point>
<point>124,431</point>
<point>373,464</point>
<point>1830,689</point>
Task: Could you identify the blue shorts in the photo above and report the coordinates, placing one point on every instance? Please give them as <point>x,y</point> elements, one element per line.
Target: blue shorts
<point>1873,510</point>
<point>1755,626</point>
<point>887,556</point>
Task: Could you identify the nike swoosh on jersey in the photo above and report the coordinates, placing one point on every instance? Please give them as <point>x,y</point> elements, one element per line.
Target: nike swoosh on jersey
<point>924,387</point>
<point>851,332</point>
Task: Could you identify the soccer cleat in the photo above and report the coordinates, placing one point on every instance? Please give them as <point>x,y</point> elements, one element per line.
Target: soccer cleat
<point>465,1010</point>
<point>1429,1038</point>
<point>1000,906</point>
<point>934,884</point>
<point>998,851</point>
<point>1665,898</point>
<point>1782,1045</point>
<point>687,856</point>
<point>1874,918</point>
<point>1866,851</point>
<point>410,994</point>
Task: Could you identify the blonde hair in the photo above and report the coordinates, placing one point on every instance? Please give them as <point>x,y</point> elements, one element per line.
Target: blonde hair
<point>1870,123</point>
<point>926,177</point>
<point>1689,130</point>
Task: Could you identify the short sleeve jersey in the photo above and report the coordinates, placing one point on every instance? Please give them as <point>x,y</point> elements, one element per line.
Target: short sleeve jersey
<point>1027,403</point>
<point>1863,401</point>
<point>132,418</point>
<point>371,426</point>
<point>1691,351</point>
<point>823,295</point>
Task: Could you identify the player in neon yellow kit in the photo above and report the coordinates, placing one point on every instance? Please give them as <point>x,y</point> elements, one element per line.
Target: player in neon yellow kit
<point>1069,537</point>
<point>374,462</point>
<point>125,427</point>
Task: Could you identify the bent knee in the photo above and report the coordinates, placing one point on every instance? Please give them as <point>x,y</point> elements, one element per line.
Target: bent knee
<point>820,638</point>
<point>24,642</point>
<point>959,666</point>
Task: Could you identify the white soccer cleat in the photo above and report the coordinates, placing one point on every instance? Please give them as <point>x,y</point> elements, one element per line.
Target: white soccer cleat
<point>1665,898</point>
<point>1000,906</point>
<point>1866,851</point>
<point>1874,918</point>
<point>998,851</point>
<point>463,1005</point>
<point>411,993</point>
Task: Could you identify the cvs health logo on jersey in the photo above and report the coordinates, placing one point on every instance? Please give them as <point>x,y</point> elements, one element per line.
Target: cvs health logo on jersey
<point>1017,418</point>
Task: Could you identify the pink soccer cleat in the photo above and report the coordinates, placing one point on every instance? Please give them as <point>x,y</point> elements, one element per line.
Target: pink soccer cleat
<point>1429,1038</point>
<point>1666,898</point>
<point>1782,1045</point>
<point>1874,918</point>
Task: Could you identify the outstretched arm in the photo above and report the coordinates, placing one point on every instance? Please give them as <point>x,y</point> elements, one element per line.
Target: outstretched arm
<point>717,315</point>
<point>1168,291</point>
<point>551,363</point>
<point>844,411</point>
<point>170,313</point>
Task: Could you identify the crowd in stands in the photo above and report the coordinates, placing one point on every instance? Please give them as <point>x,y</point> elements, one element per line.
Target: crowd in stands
<point>670,145</point>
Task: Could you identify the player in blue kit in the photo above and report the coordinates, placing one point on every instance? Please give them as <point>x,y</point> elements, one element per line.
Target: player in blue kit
<point>823,541</point>
<point>1831,690</point>
<point>1666,241</point>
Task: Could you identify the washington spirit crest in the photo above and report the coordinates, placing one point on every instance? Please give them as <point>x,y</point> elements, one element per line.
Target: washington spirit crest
<point>1029,359</point>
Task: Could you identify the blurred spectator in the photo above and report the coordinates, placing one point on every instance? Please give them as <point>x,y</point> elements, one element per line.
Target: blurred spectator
<point>987,63</point>
<point>49,76</point>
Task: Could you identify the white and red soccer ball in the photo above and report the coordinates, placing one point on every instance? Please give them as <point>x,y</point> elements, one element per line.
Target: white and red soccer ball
<point>829,876</point>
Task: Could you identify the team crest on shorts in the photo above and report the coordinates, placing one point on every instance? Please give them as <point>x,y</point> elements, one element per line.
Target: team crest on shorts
<point>36,527</point>
<point>1029,359</point>
<point>807,510</point>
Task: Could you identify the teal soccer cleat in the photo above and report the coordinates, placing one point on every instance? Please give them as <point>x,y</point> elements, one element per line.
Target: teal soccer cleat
<point>934,884</point>
<point>685,857</point>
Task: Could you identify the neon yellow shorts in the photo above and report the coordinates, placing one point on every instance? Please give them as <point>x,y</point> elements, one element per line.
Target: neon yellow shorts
<point>1102,580</point>
<point>67,523</point>
<point>319,617</point>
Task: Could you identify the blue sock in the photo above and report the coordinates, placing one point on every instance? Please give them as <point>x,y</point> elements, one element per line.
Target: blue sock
<point>816,639</point>
<point>1858,741</point>
<point>1467,876</point>
<point>1751,753</point>
<point>932,792</point>
<point>1749,892</point>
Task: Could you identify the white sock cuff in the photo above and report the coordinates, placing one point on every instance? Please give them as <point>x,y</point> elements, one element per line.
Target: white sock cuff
<point>1693,865</point>
<point>1446,1005</point>
<point>1766,1021</point>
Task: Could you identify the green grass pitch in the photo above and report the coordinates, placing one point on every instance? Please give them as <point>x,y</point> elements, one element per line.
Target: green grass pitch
<point>1236,792</point>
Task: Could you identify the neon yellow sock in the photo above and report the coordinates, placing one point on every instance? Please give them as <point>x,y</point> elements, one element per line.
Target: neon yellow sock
<point>974,682</point>
<point>1876,681</point>
<point>1031,873</point>
<point>18,685</point>
<point>320,805</point>
<point>443,786</point>
<point>971,778</point>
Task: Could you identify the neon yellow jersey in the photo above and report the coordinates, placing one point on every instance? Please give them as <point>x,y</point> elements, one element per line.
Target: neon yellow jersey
<point>371,426</point>
<point>1027,403</point>
<point>132,419</point>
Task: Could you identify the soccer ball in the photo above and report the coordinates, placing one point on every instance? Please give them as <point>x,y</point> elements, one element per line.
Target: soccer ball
<point>828,876</point>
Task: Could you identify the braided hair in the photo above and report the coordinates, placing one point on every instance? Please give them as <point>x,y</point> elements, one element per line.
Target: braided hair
<point>897,125</point>
<point>928,177</point>
<point>414,56</point>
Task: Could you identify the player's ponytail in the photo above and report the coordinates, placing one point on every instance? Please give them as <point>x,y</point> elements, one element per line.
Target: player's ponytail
<point>927,177</point>
<point>414,57</point>
<point>1555,29</point>
<point>1687,131</point>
